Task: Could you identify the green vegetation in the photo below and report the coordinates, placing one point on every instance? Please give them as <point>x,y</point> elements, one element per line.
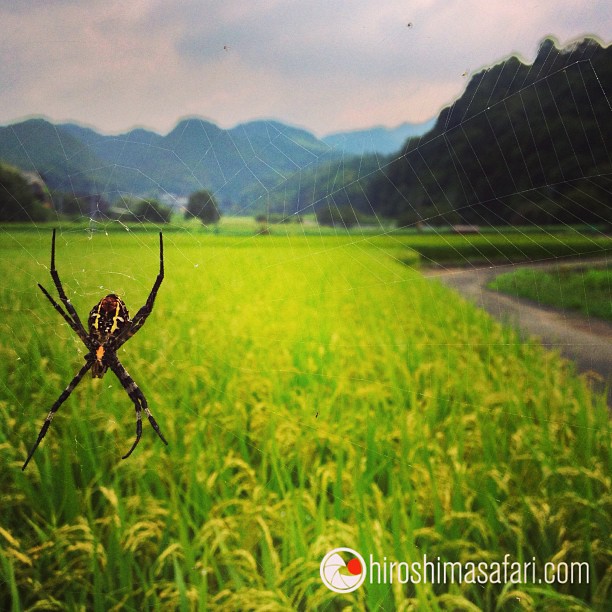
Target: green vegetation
<point>329,183</point>
<point>506,246</point>
<point>202,205</point>
<point>496,245</point>
<point>237,165</point>
<point>586,290</point>
<point>315,393</point>
<point>19,201</point>
<point>138,210</point>
<point>66,163</point>
<point>523,144</point>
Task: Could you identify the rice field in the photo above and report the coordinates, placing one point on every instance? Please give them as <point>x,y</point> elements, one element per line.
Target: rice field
<point>316,392</point>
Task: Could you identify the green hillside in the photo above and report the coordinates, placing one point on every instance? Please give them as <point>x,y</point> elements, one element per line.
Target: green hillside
<point>64,162</point>
<point>238,165</point>
<point>523,144</point>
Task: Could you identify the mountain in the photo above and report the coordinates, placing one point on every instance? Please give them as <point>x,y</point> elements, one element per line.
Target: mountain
<point>522,144</point>
<point>258,155</point>
<point>65,162</point>
<point>378,139</point>
<point>251,158</point>
<point>242,166</point>
<point>337,181</point>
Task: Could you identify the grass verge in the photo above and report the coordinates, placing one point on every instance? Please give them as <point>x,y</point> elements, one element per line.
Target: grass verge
<point>588,291</point>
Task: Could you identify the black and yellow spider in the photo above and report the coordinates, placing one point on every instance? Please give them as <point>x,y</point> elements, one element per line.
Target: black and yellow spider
<point>110,327</point>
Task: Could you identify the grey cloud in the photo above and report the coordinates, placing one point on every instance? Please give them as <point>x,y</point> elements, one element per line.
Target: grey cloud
<point>327,64</point>
<point>315,38</point>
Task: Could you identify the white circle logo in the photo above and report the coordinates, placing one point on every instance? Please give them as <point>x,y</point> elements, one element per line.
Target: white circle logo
<point>343,570</point>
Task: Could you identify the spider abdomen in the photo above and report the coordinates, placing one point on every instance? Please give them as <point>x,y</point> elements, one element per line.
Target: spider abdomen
<point>107,318</point>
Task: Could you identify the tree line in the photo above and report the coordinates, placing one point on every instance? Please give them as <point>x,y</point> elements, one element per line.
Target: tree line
<point>25,197</point>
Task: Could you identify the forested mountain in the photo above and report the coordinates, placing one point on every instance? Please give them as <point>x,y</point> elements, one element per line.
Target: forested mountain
<point>336,182</point>
<point>524,143</point>
<point>65,162</point>
<point>196,154</point>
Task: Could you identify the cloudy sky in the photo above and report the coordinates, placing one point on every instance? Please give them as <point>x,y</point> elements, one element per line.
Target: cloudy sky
<point>325,65</point>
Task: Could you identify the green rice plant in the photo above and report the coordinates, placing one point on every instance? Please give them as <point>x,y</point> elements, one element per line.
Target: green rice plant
<point>315,393</point>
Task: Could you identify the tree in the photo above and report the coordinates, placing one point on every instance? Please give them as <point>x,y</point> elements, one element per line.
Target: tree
<point>137,210</point>
<point>202,205</point>
<point>82,205</point>
<point>154,211</point>
<point>72,205</point>
<point>18,202</point>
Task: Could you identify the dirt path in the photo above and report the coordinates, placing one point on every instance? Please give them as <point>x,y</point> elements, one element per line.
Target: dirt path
<point>588,342</point>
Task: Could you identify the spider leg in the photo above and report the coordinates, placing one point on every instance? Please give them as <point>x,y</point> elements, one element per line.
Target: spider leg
<point>140,404</point>
<point>60,290</point>
<point>141,316</point>
<point>60,400</point>
<point>77,330</point>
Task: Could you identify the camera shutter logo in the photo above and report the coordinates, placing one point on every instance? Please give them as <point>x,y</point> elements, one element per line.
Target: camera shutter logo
<point>343,570</point>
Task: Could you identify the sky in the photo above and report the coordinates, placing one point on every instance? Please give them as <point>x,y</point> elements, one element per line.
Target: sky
<point>325,65</point>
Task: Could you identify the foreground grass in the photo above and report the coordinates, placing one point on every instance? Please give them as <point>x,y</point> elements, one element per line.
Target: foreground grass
<point>315,394</point>
<point>588,291</point>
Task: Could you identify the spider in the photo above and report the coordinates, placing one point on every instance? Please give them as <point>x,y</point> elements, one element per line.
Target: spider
<point>110,327</point>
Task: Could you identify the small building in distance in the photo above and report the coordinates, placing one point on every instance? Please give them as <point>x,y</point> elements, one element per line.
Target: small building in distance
<point>465,229</point>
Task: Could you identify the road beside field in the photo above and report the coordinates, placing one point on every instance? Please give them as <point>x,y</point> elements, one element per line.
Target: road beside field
<point>586,341</point>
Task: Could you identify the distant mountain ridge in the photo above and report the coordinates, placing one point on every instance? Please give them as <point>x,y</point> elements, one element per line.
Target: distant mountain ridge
<point>379,139</point>
<point>239,165</point>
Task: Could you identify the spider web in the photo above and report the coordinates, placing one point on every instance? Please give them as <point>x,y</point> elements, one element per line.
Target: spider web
<point>122,258</point>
